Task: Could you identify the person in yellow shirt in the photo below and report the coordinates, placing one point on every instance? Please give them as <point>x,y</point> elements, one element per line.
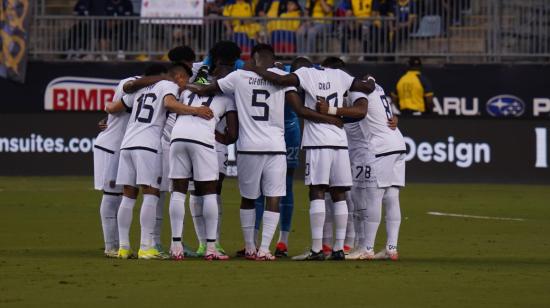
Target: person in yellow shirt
<point>413,93</point>
<point>307,34</point>
<point>361,10</point>
<point>283,29</point>
<point>241,12</point>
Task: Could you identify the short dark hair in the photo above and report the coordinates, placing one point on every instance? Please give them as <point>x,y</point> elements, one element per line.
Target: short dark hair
<point>181,67</point>
<point>415,62</point>
<point>227,52</point>
<point>261,48</point>
<point>299,63</point>
<point>334,62</point>
<point>181,53</point>
<point>154,69</point>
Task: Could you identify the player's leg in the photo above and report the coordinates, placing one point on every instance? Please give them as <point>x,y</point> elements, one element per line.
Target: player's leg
<point>260,206</point>
<point>164,188</point>
<point>274,186</point>
<point>372,215</point>
<point>126,176</point>
<point>349,242</point>
<point>393,220</point>
<point>219,186</point>
<point>286,208</point>
<point>359,199</point>
<point>328,226</point>
<point>195,207</point>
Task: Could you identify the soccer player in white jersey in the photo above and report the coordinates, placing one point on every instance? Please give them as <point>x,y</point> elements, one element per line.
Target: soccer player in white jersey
<point>382,165</point>
<point>193,156</point>
<point>140,159</point>
<point>327,159</point>
<point>106,157</point>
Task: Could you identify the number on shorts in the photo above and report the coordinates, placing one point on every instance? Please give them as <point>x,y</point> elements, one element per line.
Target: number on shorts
<point>145,102</point>
<point>261,104</point>
<point>307,169</point>
<point>387,107</point>
<point>363,171</point>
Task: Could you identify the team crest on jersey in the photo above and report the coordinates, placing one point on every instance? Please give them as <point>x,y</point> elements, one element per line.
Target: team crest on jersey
<point>79,93</point>
<point>505,106</point>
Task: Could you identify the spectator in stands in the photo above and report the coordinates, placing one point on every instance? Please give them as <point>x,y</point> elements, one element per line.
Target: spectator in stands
<point>405,18</point>
<point>241,27</point>
<point>214,9</point>
<point>307,34</point>
<point>282,32</point>
<point>413,93</point>
<point>354,29</point>
<point>115,33</point>
<point>80,33</point>
<point>381,29</point>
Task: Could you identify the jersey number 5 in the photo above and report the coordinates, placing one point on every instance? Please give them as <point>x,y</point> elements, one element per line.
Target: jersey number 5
<point>145,102</point>
<point>261,104</point>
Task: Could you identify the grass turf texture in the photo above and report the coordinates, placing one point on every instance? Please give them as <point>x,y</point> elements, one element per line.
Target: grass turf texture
<point>51,255</point>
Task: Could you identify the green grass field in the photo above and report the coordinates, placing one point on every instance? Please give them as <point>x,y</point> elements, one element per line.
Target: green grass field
<point>51,255</point>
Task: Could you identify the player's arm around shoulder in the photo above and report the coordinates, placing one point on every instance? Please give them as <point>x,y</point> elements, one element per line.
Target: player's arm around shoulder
<point>357,111</point>
<point>284,80</point>
<point>171,104</point>
<point>116,107</point>
<point>293,99</point>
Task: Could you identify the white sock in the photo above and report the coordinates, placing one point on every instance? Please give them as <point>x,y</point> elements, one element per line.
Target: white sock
<point>373,215</point>
<point>177,215</point>
<point>350,229</point>
<point>328,226</point>
<point>340,223</point>
<point>248,219</point>
<point>195,206</point>
<point>124,221</point>
<point>317,220</point>
<point>270,222</point>
<point>108,211</point>
<point>359,199</point>
<point>219,229</point>
<point>393,216</point>
<point>147,220</point>
<point>283,237</point>
<point>210,214</point>
<point>359,228</point>
<point>159,218</point>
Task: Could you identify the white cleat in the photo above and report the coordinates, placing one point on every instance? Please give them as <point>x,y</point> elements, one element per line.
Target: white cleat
<point>111,253</point>
<point>361,254</point>
<point>176,251</point>
<point>387,254</point>
<point>264,256</point>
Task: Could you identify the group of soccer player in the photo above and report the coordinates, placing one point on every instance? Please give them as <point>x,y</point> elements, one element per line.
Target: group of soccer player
<point>168,131</point>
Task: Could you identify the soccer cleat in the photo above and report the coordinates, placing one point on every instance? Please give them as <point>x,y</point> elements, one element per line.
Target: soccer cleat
<point>250,254</point>
<point>177,251</point>
<point>150,254</point>
<point>163,253</point>
<point>220,249</point>
<point>111,253</point>
<point>360,254</point>
<point>124,253</point>
<point>327,250</point>
<point>241,253</point>
<point>386,254</point>
<point>337,256</point>
<point>201,250</point>
<point>264,256</point>
<point>188,252</point>
<point>281,250</point>
<point>215,255</point>
<point>347,249</point>
<point>310,256</point>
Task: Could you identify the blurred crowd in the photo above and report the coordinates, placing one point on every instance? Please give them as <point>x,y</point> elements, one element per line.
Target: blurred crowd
<point>302,26</point>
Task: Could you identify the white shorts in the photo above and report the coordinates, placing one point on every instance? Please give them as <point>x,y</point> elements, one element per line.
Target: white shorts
<point>388,170</point>
<point>327,166</point>
<point>261,173</point>
<point>221,150</point>
<point>361,171</point>
<point>191,160</point>
<point>165,183</point>
<point>139,167</point>
<point>105,170</point>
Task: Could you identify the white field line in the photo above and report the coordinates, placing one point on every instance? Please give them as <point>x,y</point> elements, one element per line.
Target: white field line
<point>473,216</point>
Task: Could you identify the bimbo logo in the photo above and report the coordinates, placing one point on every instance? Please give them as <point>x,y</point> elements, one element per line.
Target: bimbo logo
<point>505,106</point>
<point>79,93</point>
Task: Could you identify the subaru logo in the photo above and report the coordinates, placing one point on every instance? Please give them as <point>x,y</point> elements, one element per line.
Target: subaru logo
<point>505,106</point>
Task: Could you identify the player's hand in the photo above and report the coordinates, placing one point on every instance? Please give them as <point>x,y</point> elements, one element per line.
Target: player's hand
<point>337,122</point>
<point>204,112</point>
<point>279,65</point>
<point>102,125</point>
<point>393,123</point>
<point>221,138</point>
<point>322,105</point>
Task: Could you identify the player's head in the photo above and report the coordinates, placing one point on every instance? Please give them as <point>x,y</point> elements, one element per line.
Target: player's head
<point>180,73</point>
<point>415,63</point>
<point>225,53</point>
<point>334,62</point>
<point>263,54</point>
<point>299,63</point>
<point>154,69</point>
<point>182,54</point>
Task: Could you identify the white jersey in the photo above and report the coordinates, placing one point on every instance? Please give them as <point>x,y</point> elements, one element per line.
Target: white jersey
<point>109,140</point>
<point>382,139</point>
<point>357,132</point>
<point>331,84</point>
<point>260,105</point>
<point>148,117</point>
<point>168,126</point>
<point>197,129</point>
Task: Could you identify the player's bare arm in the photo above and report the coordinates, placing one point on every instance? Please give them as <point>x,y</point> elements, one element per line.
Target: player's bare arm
<point>204,90</point>
<point>288,80</point>
<point>393,122</point>
<point>174,106</point>
<point>232,130</point>
<point>365,86</point>
<point>357,111</point>
<point>138,84</point>
<point>115,107</point>
<point>293,99</point>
